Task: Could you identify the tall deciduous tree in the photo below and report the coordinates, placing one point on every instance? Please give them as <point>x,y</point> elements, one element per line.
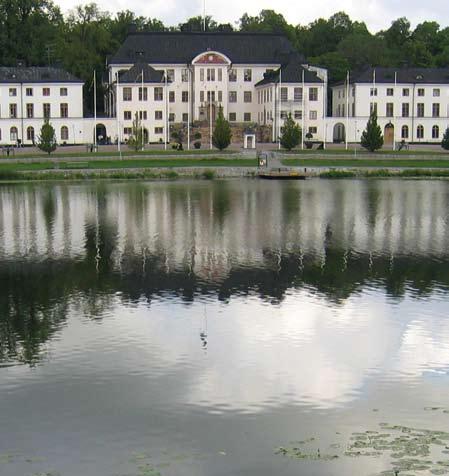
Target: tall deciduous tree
<point>445,141</point>
<point>291,134</point>
<point>372,138</point>
<point>221,137</point>
<point>136,141</point>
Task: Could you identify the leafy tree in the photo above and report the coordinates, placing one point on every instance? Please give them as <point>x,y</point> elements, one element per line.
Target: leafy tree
<point>291,134</point>
<point>136,141</point>
<point>445,141</point>
<point>221,137</point>
<point>372,138</point>
<point>47,138</point>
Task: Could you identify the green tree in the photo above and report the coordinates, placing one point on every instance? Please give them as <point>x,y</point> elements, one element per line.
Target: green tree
<point>291,134</point>
<point>445,141</point>
<point>221,137</point>
<point>47,138</point>
<point>372,138</point>
<point>136,140</point>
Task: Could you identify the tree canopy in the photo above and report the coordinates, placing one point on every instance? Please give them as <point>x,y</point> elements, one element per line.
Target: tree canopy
<point>36,32</point>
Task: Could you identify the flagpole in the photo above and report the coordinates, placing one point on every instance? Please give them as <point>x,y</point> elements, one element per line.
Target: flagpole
<point>210,118</point>
<point>166,112</point>
<point>95,111</point>
<point>188,110</point>
<point>117,113</point>
<point>347,109</point>
<point>280,107</point>
<point>303,111</point>
<point>394,109</point>
<point>141,119</point>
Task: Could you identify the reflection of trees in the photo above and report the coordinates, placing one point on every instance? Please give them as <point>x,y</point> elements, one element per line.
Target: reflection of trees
<point>36,296</point>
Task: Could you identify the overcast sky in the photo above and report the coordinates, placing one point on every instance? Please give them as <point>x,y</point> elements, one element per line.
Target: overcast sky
<point>377,14</point>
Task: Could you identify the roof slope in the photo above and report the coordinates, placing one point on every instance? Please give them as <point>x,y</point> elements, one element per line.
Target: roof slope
<point>183,47</point>
<point>404,75</point>
<point>134,74</point>
<point>36,74</point>
<point>292,72</point>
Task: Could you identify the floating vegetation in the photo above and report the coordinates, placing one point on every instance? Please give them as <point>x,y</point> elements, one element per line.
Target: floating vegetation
<point>409,449</point>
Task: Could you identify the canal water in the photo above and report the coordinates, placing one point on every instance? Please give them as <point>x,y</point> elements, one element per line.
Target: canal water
<point>209,328</point>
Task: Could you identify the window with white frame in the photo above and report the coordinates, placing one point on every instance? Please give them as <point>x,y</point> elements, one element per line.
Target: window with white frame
<point>247,117</point>
<point>247,74</point>
<point>420,132</point>
<point>143,93</point>
<point>436,93</point>
<point>284,94</point>
<point>232,96</point>
<point>297,94</point>
<point>404,132</point>
<point>232,116</point>
<point>232,75</point>
<point>158,94</point>
<point>313,115</point>
<point>127,94</point>
<point>64,133</point>
<point>313,94</point>
<point>247,96</point>
<point>435,132</point>
<point>127,115</point>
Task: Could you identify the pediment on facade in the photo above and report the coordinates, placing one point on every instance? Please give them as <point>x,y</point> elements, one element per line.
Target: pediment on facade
<point>211,57</point>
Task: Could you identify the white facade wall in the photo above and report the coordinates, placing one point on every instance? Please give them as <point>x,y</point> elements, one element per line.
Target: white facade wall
<point>423,121</point>
<point>22,123</point>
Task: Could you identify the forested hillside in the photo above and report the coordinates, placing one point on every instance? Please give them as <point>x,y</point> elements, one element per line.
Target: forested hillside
<point>36,32</point>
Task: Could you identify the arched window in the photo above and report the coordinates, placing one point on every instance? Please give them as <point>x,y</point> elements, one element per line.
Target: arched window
<point>64,133</point>
<point>30,133</point>
<point>13,134</point>
<point>435,132</point>
<point>404,132</point>
<point>420,132</point>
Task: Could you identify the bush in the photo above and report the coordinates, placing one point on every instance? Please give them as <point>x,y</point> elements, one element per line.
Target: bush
<point>47,138</point>
<point>291,134</point>
<point>209,174</point>
<point>221,137</point>
<point>445,141</point>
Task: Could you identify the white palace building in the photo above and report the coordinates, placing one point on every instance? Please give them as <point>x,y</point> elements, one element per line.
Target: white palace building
<point>257,79</point>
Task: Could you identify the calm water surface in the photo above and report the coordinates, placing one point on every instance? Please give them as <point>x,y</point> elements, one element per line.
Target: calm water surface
<point>190,328</point>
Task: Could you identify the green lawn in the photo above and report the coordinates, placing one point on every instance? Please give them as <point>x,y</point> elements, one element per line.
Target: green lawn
<point>368,162</point>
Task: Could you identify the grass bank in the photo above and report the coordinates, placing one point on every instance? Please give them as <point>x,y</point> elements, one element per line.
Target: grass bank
<point>368,162</point>
<point>406,173</point>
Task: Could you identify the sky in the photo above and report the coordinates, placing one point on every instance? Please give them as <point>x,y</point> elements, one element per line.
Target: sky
<point>377,14</point>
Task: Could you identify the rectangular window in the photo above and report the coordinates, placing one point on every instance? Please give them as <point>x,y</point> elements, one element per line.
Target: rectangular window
<point>185,117</point>
<point>210,96</point>
<point>202,74</point>
<point>46,110</point>
<point>127,131</point>
<point>220,75</point>
<point>298,114</point>
<point>158,130</point>
<point>373,108</point>
<point>405,109</point>
<point>390,92</point>
<point>436,109</point>
<point>313,94</point>
<point>185,75</point>
<point>127,94</point>
<point>170,75</point>
<point>127,115</point>
<point>389,109</point>
<point>373,92</point>
<point>421,92</point>
<point>220,96</point>
<point>313,130</point>
<point>29,91</point>
<point>420,109</point>
<point>406,92</point>
<point>30,111</point>
<point>247,96</point>
<point>158,115</point>
<point>284,94</point>
<point>143,93</point>
<point>171,117</point>
<point>201,96</point>
<point>436,93</point>
<point>232,116</point>
<point>64,109</point>
<point>247,116</point>
<point>283,114</point>
<point>232,75</point>
<point>313,115</point>
<point>12,92</point>
<point>63,91</point>
<point>45,91</point>
<point>185,96</point>
<point>211,74</point>
<point>232,96</point>
<point>247,74</point>
<point>158,94</point>
<point>13,111</point>
<point>297,94</point>
<point>171,96</point>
